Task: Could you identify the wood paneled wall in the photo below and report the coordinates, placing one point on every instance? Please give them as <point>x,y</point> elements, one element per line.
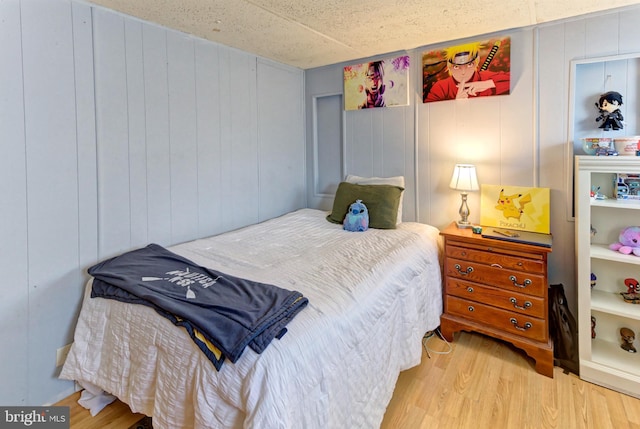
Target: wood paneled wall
<point>518,139</point>
<point>116,133</point>
<point>424,141</point>
<point>556,45</point>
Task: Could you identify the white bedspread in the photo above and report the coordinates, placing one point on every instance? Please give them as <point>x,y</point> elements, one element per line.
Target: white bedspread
<point>372,296</point>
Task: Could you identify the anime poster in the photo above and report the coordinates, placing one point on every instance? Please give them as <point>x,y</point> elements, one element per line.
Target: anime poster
<point>471,70</point>
<point>381,83</point>
<point>515,207</point>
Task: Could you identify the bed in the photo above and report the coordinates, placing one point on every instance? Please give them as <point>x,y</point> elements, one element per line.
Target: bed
<point>371,297</point>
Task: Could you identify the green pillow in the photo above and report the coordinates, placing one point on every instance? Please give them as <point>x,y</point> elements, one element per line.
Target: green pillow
<point>381,200</point>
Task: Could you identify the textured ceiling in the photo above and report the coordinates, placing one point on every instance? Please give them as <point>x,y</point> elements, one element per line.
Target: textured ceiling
<point>313,33</point>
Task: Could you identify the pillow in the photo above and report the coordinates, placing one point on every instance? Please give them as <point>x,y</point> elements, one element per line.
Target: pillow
<point>381,200</point>
<point>395,181</point>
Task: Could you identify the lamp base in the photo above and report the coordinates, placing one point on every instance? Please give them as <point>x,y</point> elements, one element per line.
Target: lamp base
<point>463,225</point>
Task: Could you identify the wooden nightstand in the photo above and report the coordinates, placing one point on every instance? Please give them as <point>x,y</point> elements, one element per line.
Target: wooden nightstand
<point>497,288</point>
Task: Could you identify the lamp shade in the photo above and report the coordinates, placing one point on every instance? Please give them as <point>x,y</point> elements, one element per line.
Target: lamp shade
<point>464,178</point>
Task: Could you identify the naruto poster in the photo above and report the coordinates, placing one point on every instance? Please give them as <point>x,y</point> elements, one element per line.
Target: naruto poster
<point>467,71</point>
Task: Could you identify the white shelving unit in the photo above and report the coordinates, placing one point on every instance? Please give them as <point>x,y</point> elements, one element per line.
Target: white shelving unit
<point>602,360</point>
<point>590,77</point>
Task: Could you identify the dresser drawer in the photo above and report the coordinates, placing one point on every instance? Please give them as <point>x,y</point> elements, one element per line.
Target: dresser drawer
<point>514,301</point>
<point>516,281</point>
<point>498,288</point>
<point>507,321</point>
<point>488,256</point>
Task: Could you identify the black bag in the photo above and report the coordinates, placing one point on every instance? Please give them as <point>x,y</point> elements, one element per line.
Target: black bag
<point>563,330</point>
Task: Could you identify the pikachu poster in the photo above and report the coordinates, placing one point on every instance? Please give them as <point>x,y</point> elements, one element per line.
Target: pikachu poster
<point>515,207</point>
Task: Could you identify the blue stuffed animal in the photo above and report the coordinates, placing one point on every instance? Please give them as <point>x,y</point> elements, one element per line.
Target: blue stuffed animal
<point>357,218</point>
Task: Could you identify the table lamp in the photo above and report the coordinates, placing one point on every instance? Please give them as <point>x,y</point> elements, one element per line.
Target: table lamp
<point>464,179</point>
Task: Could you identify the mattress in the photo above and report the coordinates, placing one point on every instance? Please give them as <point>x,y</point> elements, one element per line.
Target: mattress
<point>372,295</point>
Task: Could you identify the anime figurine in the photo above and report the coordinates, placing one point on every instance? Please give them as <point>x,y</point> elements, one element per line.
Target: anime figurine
<point>596,194</point>
<point>632,285</point>
<point>593,280</point>
<point>593,327</point>
<point>627,340</point>
<point>609,107</point>
<point>632,295</point>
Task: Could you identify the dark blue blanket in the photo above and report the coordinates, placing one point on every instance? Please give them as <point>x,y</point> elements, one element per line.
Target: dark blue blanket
<point>229,312</point>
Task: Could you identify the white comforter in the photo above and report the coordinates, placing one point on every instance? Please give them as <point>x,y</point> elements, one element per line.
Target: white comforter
<point>372,296</point>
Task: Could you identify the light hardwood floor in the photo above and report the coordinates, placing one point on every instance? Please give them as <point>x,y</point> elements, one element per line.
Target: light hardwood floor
<point>117,415</point>
<point>482,383</point>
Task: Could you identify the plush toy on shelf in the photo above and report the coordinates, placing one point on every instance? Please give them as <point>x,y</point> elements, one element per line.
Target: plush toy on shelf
<point>628,241</point>
<point>357,218</point>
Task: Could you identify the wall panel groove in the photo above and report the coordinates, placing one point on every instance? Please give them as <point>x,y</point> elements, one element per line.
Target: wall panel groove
<point>116,133</point>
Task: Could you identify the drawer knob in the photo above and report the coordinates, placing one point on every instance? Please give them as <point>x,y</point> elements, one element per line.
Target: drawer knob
<point>514,322</point>
<point>524,284</point>
<point>514,301</point>
<point>468,271</point>
<point>470,308</point>
<point>470,289</point>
